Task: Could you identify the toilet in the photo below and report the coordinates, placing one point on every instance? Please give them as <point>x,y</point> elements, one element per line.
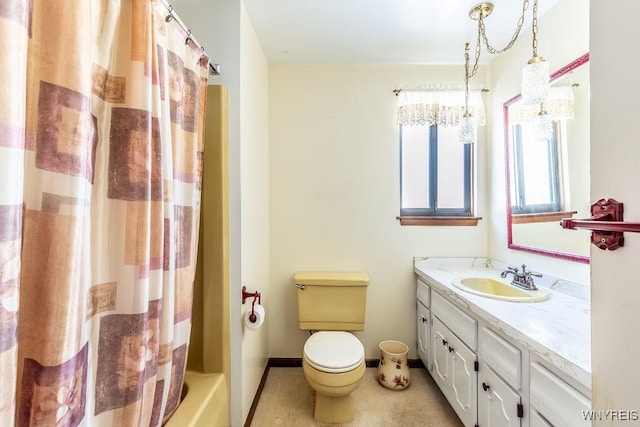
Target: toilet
<point>330,305</point>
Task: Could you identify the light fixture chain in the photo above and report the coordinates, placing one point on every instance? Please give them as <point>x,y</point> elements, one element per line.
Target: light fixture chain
<point>534,26</point>
<point>482,30</point>
<point>477,54</point>
<point>466,79</point>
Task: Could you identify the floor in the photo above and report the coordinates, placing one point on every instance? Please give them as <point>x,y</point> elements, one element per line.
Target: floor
<point>287,400</point>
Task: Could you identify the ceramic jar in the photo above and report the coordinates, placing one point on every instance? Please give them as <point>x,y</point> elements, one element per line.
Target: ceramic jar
<point>393,371</point>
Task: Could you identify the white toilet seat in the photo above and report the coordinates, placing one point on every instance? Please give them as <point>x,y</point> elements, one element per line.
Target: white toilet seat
<point>333,351</point>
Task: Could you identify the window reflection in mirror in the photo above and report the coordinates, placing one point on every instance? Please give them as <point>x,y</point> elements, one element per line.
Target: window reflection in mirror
<point>536,171</point>
<point>548,179</point>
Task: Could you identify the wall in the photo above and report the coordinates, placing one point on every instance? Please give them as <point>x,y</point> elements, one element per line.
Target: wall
<point>254,161</point>
<point>334,195</point>
<point>615,131</point>
<point>563,37</point>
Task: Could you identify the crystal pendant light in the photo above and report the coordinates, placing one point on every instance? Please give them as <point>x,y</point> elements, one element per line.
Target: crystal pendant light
<point>542,126</point>
<point>467,128</point>
<point>535,76</point>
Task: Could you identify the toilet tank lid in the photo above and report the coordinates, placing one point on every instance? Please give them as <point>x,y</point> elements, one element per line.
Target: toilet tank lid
<point>331,278</point>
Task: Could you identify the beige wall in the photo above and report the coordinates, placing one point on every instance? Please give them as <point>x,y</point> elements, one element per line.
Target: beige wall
<point>563,37</point>
<point>334,195</point>
<point>254,176</point>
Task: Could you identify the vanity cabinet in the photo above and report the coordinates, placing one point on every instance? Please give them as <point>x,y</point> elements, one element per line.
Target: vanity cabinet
<point>454,363</point>
<point>424,323</point>
<point>489,378</point>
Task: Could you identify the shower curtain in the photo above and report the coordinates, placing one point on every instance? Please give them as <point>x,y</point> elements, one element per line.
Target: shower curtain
<point>101,141</point>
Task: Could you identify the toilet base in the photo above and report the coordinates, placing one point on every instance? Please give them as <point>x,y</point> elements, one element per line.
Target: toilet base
<point>333,403</point>
<point>333,410</point>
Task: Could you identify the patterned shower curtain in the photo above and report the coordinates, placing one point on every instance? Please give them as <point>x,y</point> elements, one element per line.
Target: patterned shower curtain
<point>101,140</point>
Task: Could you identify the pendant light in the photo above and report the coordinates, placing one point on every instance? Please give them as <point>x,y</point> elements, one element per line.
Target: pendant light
<point>467,129</point>
<point>535,76</point>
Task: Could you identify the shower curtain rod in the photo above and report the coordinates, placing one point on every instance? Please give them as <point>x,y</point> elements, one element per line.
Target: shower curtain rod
<point>214,69</point>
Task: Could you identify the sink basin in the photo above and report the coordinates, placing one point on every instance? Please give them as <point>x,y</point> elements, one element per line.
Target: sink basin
<point>496,289</point>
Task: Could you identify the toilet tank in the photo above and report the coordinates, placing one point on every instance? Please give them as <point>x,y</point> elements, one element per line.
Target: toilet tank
<point>331,301</point>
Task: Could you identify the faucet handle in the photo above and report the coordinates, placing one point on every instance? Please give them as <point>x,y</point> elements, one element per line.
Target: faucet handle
<point>514,269</point>
<point>529,272</point>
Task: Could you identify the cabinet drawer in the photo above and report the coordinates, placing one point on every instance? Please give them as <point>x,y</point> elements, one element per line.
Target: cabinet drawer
<point>460,323</point>
<point>502,356</point>
<point>555,400</point>
<point>424,293</point>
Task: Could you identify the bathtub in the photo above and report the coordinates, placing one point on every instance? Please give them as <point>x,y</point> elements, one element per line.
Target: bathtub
<point>205,402</point>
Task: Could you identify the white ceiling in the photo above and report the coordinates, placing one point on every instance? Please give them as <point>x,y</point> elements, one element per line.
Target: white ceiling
<point>380,31</point>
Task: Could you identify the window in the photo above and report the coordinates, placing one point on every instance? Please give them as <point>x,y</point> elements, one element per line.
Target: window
<point>435,177</point>
<point>537,172</point>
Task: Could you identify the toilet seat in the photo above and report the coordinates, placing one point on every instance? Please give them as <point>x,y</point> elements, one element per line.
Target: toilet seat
<point>333,351</point>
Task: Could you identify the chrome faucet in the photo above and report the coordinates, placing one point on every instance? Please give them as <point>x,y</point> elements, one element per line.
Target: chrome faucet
<point>522,279</point>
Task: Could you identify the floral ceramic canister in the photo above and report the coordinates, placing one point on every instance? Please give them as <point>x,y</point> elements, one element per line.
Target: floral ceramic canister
<point>393,371</point>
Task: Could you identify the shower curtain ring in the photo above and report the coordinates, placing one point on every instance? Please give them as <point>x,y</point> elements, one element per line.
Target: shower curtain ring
<point>188,40</point>
<point>169,17</point>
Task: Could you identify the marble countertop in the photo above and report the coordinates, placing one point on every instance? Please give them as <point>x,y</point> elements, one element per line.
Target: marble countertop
<point>558,330</point>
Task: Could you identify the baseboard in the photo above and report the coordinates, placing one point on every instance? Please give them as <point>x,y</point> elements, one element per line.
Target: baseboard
<point>256,398</point>
<point>284,362</point>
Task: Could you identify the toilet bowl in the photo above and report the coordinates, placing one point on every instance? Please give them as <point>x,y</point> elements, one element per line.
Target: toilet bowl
<point>334,365</point>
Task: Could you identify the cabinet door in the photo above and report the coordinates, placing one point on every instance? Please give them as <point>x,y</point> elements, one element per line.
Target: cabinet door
<point>464,381</point>
<point>497,402</point>
<point>440,359</point>
<point>424,334</point>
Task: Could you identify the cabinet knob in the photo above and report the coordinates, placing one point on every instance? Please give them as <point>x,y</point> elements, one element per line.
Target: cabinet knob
<point>485,386</point>
<point>424,319</point>
<point>450,349</point>
<point>444,343</point>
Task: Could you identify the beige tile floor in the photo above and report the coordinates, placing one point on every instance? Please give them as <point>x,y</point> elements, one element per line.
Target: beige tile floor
<point>287,400</point>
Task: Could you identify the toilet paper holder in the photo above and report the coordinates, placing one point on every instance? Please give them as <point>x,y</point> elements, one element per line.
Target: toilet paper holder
<point>255,296</point>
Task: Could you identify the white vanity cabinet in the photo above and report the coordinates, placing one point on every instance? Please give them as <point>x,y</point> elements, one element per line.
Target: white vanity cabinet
<point>490,377</point>
<point>424,323</point>
<point>454,363</point>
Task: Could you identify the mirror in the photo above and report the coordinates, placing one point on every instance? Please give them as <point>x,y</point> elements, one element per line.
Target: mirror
<point>548,179</point>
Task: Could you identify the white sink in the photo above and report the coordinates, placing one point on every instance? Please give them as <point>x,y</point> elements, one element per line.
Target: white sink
<point>497,289</point>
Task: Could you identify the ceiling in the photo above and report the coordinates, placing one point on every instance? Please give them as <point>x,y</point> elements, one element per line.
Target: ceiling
<point>379,31</point>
